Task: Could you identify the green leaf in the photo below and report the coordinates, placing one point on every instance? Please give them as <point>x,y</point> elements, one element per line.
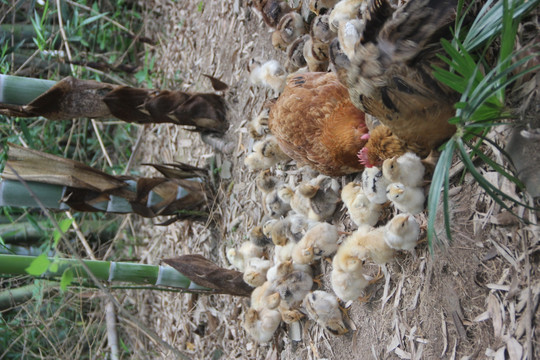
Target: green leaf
<point>64,226</point>
<point>67,279</point>
<point>39,265</point>
<point>54,267</point>
<point>92,19</point>
<point>439,180</point>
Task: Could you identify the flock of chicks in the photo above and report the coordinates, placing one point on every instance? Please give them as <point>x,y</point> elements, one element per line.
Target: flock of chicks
<point>312,42</point>
<point>297,224</point>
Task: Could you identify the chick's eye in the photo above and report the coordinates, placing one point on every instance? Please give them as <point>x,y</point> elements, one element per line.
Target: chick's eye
<point>402,224</point>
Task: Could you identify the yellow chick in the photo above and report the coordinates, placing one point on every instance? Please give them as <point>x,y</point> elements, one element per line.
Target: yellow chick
<point>270,74</point>
<point>261,324</point>
<point>402,232</point>
<point>258,126</point>
<point>316,55</point>
<point>266,153</point>
<point>406,169</point>
<point>349,285</point>
<point>345,10</point>
<point>406,199</point>
<point>255,271</point>
<point>360,209</point>
<point>265,296</point>
<point>323,307</point>
<point>374,185</point>
<point>320,29</point>
<point>373,246</point>
<point>347,257</point>
<point>279,270</point>
<point>293,287</point>
<point>319,241</point>
<point>321,7</point>
<point>267,227</point>
<point>283,253</point>
<point>238,258</point>
<point>290,27</point>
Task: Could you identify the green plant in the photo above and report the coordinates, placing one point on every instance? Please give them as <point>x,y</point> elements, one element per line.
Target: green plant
<point>482,104</point>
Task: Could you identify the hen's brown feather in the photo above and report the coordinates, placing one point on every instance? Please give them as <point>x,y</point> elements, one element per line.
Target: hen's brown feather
<point>315,122</point>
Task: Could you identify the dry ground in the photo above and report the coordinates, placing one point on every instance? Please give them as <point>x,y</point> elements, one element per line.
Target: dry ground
<point>475,299</point>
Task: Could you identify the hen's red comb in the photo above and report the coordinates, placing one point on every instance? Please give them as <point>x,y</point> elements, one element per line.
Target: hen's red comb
<point>363,157</point>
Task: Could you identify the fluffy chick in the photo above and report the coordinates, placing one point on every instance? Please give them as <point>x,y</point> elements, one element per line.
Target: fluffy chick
<point>321,7</point>
<point>374,185</point>
<point>258,126</point>
<point>295,54</point>
<point>347,257</point>
<point>238,258</point>
<point>373,246</point>
<point>293,287</point>
<point>290,27</point>
<point>267,227</point>
<point>257,237</point>
<point>266,153</point>
<point>323,307</point>
<point>406,169</point>
<point>275,204</point>
<point>261,324</point>
<point>270,74</point>
<point>345,10</point>
<point>266,182</point>
<point>255,271</point>
<point>316,199</point>
<point>264,296</point>
<point>360,209</point>
<point>406,199</point>
<point>348,285</point>
<point>272,10</point>
<point>402,232</point>
<point>320,29</point>
<point>319,241</point>
<point>316,55</point>
<point>283,253</point>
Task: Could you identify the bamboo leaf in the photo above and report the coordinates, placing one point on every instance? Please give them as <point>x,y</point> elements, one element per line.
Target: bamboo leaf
<point>92,19</point>
<point>439,176</point>
<point>64,226</point>
<point>39,265</point>
<point>67,279</point>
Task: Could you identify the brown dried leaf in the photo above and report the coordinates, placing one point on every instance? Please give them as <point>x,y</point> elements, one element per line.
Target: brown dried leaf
<point>33,165</point>
<point>205,273</point>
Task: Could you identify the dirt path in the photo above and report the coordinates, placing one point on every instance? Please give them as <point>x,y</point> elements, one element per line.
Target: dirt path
<point>472,300</point>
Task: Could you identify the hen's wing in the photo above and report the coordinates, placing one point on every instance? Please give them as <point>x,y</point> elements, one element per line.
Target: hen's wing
<point>391,73</point>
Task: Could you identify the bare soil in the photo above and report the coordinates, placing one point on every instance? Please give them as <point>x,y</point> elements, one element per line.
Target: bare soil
<point>474,299</point>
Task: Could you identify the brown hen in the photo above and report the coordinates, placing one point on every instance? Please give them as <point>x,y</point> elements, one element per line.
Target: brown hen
<point>315,122</point>
<point>390,75</point>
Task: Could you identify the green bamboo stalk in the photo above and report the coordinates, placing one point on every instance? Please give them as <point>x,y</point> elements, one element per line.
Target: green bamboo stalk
<point>25,232</point>
<point>14,297</point>
<point>110,271</point>
<point>13,193</point>
<point>17,90</point>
